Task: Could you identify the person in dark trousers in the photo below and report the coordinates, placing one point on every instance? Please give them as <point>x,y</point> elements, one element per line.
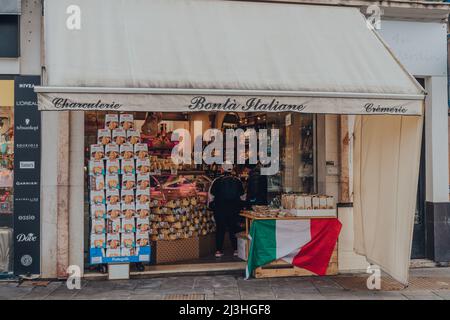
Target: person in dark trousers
<point>226,199</point>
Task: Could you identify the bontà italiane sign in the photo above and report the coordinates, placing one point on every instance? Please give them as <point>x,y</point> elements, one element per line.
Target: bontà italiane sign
<point>27,141</point>
<point>181,102</point>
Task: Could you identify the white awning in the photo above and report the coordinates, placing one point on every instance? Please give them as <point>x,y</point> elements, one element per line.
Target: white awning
<point>10,7</point>
<point>197,55</point>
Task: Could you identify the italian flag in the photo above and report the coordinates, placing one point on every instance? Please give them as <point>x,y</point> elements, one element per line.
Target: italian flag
<point>307,244</point>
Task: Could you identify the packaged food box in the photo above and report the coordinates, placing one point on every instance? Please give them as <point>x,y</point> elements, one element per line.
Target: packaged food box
<point>113,166</point>
<point>128,210</point>
<point>143,166</point>
<point>98,226</point>
<point>143,196</point>
<point>97,152</point>
<point>113,253</point>
<point>128,166</point>
<point>128,181</point>
<point>128,240</point>
<point>143,210</point>
<point>330,202</point>
<point>142,239</point>
<point>112,182</point>
<point>112,196</point>
<point>113,211</point>
<point>97,197</point>
<point>127,121</point>
<point>103,136</point>
<point>133,136</point>
<point>111,121</point>
<point>127,196</point>
<point>322,202</point>
<point>143,181</point>
<point>98,240</point>
<point>308,202</point>
<point>141,151</point>
<point>128,225</point>
<point>98,211</point>
<point>112,151</point>
<point>96,167</point>
<point>299,202</point>
<point>315,203</point>
<point>127,151</point>
<point>142,224</point>
<point>97,182</point>
<point>113,240</point>
<point>128,252</point>
<point>119,136</point>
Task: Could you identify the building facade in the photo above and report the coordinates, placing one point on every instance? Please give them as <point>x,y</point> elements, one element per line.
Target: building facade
<point>415,31</point>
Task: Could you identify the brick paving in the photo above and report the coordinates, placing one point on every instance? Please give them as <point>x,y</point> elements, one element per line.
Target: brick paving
<point>435,282</point>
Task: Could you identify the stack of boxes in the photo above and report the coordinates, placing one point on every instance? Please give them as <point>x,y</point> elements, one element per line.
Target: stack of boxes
<point>119,192</point>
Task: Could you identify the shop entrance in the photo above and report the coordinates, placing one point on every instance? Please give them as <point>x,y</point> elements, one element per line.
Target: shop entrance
<point>122,149</point>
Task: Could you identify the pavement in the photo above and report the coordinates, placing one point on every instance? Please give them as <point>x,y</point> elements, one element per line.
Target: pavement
<point>425,284</point>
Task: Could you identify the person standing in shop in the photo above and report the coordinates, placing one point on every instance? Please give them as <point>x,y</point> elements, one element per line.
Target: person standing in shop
<point>226,197</point>
<point>256,187</point>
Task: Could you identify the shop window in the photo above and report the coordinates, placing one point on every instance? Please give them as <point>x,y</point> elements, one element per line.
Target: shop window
<point>9,36</point>
<point>179,225</point>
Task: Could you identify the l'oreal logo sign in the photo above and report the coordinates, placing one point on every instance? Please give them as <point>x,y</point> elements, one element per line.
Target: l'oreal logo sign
<point>26,237</point>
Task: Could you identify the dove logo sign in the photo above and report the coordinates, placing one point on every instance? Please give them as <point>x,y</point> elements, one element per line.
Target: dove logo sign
<point>26,237</point>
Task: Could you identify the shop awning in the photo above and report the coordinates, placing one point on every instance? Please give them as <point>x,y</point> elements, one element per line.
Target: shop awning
<point>211,55</point>
<point>10,7</point>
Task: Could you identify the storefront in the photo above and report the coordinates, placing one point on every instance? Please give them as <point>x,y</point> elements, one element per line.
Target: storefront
<point>226,64</point>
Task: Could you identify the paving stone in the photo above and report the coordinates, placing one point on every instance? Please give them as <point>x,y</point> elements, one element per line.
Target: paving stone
<point>424,296</point>
<point>11,291</point>
<point>149,284</point>
<point>444,294</point>
<point>41,292</point>
<point>215,282</point>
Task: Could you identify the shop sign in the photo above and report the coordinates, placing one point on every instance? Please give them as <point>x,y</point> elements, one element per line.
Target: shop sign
<point>27,141</point>
<point>234,103</point>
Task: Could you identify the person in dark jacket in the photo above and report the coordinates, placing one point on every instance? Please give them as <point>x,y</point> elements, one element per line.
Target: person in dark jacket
<point>256,187</point>
<point>226,197</point>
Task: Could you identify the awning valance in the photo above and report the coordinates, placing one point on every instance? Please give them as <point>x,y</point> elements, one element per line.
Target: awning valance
<point>10,7</point>
<point>192,55</point>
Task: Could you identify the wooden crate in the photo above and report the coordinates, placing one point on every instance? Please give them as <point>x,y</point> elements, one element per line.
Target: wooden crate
<point>280,268</point>
<point>167,251</point>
